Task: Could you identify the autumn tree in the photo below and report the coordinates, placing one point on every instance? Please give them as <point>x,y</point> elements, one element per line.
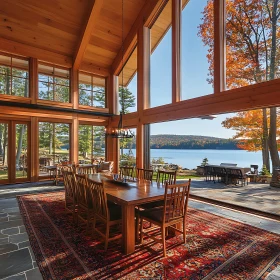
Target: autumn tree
<point>252,56</point>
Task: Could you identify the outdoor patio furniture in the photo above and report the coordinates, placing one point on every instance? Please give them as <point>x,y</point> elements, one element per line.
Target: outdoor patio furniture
<point>220,173</point>
<point>170,215</point>
<point>209,173</point>
<point>253,173</point>
<point>235,175</point>
<point>228,164</point>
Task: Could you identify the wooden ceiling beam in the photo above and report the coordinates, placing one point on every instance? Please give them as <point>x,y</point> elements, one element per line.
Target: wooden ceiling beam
<point>93,69</point>
<point>86,34</point>
<point>13,47</point>
<point>145,17</point>
<point>248,98</point>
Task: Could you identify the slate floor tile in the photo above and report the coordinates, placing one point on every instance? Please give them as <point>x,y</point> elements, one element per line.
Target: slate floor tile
<point>11,224</point>
<point>4,240</point>
<point>3,214</point>
<point>33,274</point>
<point>3,219</point>
<point>15,262</point>
<point>24,244</point>
<point>8,247</point>
<point>8,203</point>
<point>17,277</point>
<point>17,238</point>
<point>22,229</point>
<point>11,231</point>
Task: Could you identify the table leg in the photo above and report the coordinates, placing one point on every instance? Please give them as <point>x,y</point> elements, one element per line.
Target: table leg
<point>128,225</point>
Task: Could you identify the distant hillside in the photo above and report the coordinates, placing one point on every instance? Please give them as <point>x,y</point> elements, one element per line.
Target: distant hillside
<point>168,141</point>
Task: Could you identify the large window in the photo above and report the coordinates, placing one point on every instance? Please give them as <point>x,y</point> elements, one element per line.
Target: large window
<point>54,83</point>
<point>128,80</point>
<point>197,49</point>
<point>91,143</point>
<point>14,76</point>
<point>128,150</point>
<point>161,66</point>
<point>54,143</point>
<point>252,42</point>
<point>92,91</point>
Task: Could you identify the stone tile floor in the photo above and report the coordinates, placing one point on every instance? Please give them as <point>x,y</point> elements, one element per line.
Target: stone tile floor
<point>17,260</point>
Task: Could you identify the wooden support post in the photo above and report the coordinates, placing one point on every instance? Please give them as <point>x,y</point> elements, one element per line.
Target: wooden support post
<point>112,145</point>
<point>33,80</point>
<point>219,46</point>
<point>75,88</point>
<point>176,50</point>
<point>143,90</point>
<point>34,149</point>
<point>74,140</point>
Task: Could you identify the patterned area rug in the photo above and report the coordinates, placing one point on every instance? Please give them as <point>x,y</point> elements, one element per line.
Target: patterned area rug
<point>216,248</point>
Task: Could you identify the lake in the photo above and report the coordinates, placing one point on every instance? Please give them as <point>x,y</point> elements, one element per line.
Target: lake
<point>191,158</point>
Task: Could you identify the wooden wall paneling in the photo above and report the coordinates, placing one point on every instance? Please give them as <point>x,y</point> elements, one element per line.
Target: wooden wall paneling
<point>34,149</point>
<point>91,21</point>
<point>150,10</point>
<point>176,50</point>
<point>219,46</point>
<point>74,140</point>
<point>89,67</point>
<point>75,88</point>
<point>33,80</point>
<point>13,47</point>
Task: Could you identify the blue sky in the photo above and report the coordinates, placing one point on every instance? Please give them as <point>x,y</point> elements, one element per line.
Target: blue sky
<point>194,75</point>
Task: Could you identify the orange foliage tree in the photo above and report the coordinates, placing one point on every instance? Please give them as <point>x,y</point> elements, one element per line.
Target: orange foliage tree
<point>252,56</point>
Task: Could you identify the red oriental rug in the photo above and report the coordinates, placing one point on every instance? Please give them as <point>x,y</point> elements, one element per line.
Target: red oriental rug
<point>216,248</point>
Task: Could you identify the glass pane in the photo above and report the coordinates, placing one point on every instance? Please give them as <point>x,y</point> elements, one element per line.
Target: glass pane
<point>61,93</point>
<point>61,81</point>
<point>45,78</point>
<point>128,150</point>
<point>252,42</point>
<point>99,142</point>
<point>45,91</point>
<point>20,87</point>
<point>54,144</point>
<point>197,47</point>
<point>161,67</point>
<point>21,151</point>
<point>85,98</point>
<point>3,151</point>
<point>85,86</point>
<point>20,73</point>
<point>85,143</point>
<point>3,84</point>
<point>84,79</point>
<point>128,79</point>
<point>99,97</point>
<point>61,72</point>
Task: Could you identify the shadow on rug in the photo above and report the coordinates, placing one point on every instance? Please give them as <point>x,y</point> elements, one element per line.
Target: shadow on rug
<point>216,248</point>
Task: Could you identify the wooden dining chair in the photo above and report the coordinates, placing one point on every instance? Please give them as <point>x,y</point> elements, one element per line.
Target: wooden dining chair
<point>86,169</point>
<point>84,202</point>
<point>104,213</point>
<point>173,213</point>
<point>69,181</point>
<point>168,177</point>
<point>146,174</point>
<point>127,171</point>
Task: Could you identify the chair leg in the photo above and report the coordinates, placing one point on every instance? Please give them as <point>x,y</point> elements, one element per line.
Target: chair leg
<point>184,231</point>
<point>137,227</point>
<point>163,240</point>
<point>107,236</point>
<point>93,226</point>
<point>141,230</point>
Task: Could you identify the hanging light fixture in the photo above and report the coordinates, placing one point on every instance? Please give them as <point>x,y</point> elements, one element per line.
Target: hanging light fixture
<point>121,132</point>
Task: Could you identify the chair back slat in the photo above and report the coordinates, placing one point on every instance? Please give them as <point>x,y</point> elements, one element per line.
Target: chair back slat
<point>176,201</point>
<point>99,199</point>
<point>168,177</point>
<point>127,171</point>
<point>69,183</point>
<point>146,174</point>
<point>87,169</point>
<point>82,189</point>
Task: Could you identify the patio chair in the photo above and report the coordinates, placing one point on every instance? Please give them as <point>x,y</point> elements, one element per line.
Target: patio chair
<point>236,175</point>
<point>172,213</point>
<point>209,173</point>
<point>104,213</point>
<point>253,173</point>
<point>220,173</point>
<point>146,174</point>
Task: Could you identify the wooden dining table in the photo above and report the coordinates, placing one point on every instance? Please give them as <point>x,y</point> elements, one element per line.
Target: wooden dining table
<point>129,195</point>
